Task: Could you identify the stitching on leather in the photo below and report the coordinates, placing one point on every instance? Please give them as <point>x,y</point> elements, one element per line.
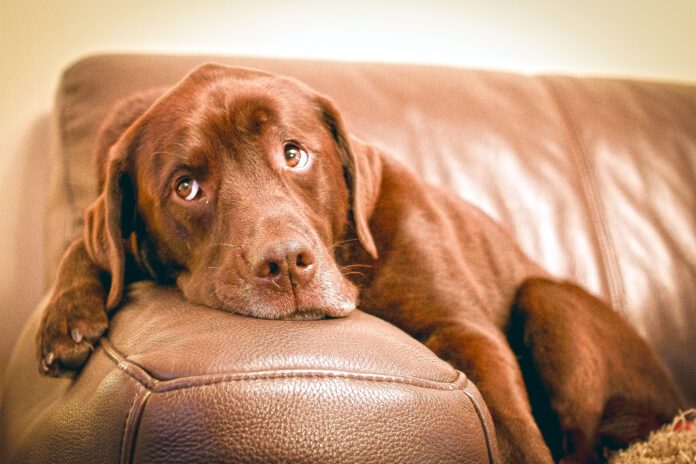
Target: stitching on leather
<point>157,386</point>
<point>590,190</point>
<point>130,428</point>
<point>110,351</point>
<point>133,370</point>
<point>125,436</point>
<point>484,426</point>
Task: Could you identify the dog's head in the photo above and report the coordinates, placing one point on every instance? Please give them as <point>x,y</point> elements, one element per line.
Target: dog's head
<point>238,185</point>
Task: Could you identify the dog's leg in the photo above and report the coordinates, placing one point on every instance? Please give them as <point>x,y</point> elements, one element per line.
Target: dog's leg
<point>483,354</point>
<point>75,316</point>
<point>603,384</point>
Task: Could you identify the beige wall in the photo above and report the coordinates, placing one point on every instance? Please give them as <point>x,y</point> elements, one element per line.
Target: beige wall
<point>653,39</point>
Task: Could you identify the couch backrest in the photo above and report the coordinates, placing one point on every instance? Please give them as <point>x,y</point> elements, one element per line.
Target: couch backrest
<point>595,177</point>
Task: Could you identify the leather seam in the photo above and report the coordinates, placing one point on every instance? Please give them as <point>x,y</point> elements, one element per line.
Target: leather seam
<point>155,385</point>
<point>590,191</point>
<point>484,426</point>
<point>130,428</point>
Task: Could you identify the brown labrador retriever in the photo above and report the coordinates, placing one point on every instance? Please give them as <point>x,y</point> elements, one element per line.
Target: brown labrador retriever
<point>246,190</point>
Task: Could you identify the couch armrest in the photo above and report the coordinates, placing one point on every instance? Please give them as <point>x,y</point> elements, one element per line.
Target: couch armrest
<point>176,382</point>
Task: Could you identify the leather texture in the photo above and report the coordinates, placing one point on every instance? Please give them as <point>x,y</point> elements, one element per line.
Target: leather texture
<point>176,382</point>
<point>596,178</point>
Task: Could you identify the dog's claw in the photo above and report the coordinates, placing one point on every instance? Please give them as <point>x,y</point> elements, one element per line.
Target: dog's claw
<point>76,335</point>
<point>73,321</point>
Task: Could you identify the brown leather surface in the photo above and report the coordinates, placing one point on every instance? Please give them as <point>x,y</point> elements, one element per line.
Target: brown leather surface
<point>176,382</point>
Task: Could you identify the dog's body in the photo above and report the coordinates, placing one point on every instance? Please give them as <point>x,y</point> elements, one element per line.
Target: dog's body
<point>246,190</point>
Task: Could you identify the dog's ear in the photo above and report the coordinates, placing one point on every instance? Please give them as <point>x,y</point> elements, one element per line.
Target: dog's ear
<point>363,172</point>
<point>109,219</point>
<point>112,216</point>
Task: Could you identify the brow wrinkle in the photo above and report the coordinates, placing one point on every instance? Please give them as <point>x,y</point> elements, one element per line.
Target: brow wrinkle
<point>231,245</point>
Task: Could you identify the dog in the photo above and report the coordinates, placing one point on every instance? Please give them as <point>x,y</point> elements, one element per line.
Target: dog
<point>246,191</point>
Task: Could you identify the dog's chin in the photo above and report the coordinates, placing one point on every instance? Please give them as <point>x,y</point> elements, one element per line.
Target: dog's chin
<point>288,308</point>
<point>292,313</point>
<point>320,302</point>
<point>306,316</point>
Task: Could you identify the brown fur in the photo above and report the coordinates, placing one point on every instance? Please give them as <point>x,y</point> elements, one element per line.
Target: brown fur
<point>272,242</point>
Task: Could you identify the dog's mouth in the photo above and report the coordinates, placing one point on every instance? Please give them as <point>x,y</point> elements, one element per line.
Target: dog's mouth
<point>286,308</point>
<point>306,316</point>
<point>330,296</point>
<point>313,314</point>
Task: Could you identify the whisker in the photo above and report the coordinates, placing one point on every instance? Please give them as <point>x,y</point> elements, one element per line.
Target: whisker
<point>356,273</point>
<point>351,266</point>
<point>342,242</point>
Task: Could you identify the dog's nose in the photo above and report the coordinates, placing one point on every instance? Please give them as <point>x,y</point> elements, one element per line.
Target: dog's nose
<point>289,258</point>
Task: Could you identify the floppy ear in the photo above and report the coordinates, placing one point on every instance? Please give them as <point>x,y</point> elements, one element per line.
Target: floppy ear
<point>104,221</point>
<point>363,171</point>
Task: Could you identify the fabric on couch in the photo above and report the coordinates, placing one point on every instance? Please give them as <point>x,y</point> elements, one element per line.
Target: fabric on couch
<point>596,177</point>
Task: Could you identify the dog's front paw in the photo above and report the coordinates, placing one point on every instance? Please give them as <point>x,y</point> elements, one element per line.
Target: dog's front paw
<point>72,322</point>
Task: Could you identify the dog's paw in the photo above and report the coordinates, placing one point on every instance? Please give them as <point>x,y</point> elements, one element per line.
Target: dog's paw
<point>72,323</point>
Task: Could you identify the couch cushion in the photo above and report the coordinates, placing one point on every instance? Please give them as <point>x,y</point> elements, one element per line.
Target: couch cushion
<point>177,382</point>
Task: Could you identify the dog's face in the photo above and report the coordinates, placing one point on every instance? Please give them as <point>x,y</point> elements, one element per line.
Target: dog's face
<point>238,185</point>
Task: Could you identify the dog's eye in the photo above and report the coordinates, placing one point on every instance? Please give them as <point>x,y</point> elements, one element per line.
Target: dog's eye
<point>187,188</point>
<point>295,157</point>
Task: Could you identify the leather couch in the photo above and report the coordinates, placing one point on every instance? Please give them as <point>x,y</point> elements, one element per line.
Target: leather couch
<point>595,177</point>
